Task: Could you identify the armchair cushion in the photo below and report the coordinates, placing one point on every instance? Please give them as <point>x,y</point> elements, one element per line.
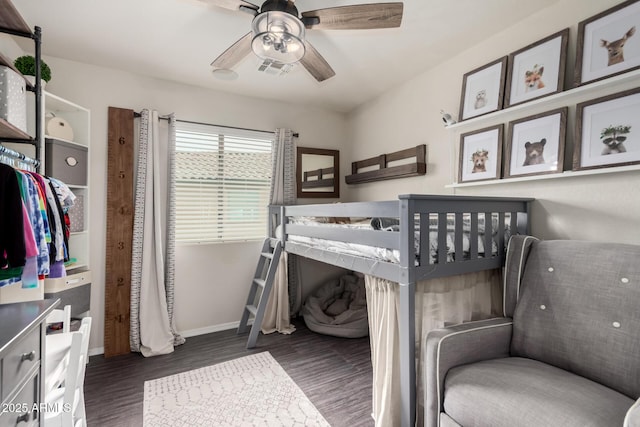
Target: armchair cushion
<point>536,393</point>
<point>457,345</point>
<point>578,310</point>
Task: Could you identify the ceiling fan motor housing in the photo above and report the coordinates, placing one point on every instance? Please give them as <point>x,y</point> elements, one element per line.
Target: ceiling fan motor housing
<point>281,6</point>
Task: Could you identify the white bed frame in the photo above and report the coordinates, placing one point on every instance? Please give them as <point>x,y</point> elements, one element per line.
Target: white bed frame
<point>411,210</point>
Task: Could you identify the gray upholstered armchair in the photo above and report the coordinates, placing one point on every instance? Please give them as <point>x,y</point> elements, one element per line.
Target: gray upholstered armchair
<point>567,352</point>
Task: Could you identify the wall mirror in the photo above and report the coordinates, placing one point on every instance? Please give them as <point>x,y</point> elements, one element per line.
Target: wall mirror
<point>318,172</point>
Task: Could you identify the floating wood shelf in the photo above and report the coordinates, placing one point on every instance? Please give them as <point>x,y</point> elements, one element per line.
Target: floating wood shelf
<point>419,167</point>
<point>11,21</point>
<point>316,178</point>
<point>7,130</point>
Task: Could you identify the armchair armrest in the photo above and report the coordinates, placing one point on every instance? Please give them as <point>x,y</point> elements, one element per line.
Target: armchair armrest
<point>632,419</point>
<point>458,345</point>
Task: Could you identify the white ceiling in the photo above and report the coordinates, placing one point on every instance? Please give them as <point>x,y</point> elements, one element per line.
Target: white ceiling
<point>177,40</point>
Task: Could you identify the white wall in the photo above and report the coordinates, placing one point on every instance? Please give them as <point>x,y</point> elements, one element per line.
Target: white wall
<point>598,207</point>
<point>211,280</point>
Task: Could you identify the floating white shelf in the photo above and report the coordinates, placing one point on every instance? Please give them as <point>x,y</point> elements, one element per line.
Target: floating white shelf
<point>564,98</point>
<point>566,174</point>
<point>568,98</point>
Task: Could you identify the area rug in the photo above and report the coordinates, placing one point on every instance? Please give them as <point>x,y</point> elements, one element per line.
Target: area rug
<point>250,391</point>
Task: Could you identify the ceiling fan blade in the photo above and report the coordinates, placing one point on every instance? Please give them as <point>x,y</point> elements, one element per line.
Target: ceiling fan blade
<point>234,54</point>
<point>356,17</point>
<point>316,64</point>
<point>233,4</point>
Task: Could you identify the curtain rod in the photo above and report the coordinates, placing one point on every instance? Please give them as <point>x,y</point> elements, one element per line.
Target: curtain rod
<point>136,114</point>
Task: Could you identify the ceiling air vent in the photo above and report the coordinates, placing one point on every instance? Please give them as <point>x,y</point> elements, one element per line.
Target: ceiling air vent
<point>274,68</point>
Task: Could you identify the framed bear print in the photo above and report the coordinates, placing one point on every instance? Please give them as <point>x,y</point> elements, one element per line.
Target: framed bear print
<point>608,131</point>
<point>535,144</point>
<point>480,154</point>
<point>608,44</point>
<point>537,70</point>
<point>483,89</point>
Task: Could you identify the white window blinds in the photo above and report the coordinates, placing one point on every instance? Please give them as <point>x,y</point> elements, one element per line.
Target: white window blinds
<point>223,177</point>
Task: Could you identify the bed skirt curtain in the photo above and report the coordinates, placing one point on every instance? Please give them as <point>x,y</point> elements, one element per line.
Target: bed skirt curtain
<point>438,303</point>
<point>283,191</point>
<point>152,330</point>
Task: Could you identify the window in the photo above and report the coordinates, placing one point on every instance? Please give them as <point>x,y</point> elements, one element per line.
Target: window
<point>223,177</point>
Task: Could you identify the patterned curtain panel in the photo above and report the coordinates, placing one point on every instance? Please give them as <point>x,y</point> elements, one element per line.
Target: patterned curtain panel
<point>153,329</point>
<point>283,192</point>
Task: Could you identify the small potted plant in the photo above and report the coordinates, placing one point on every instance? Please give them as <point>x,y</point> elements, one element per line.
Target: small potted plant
<point>27,66</point>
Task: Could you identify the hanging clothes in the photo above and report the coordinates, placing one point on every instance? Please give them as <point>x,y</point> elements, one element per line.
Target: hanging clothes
<point>34,242</point>
<point>12,245</point>
<point>39,222</point>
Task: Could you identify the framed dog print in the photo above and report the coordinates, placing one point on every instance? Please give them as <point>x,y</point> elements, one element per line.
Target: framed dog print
<point>608,43</point>
<point>483,89</point>
<point>537,70</point>
<point>608,131</point>
<point>535,144</point>
<point>480,154</point>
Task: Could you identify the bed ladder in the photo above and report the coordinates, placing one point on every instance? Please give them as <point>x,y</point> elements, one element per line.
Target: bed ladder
<point>263,280</point>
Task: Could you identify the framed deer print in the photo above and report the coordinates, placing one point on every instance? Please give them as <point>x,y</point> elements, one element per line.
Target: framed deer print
<point>537,70</point>
<point>608,131</point>
<point>608,44</point>
<point>483,89</point>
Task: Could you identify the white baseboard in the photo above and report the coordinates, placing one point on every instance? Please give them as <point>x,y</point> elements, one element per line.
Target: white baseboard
<point>209,329</point>
<point>188,333</point>
<point>96,351</point>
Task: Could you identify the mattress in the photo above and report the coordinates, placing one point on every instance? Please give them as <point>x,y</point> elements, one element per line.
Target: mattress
<point>391,225</point>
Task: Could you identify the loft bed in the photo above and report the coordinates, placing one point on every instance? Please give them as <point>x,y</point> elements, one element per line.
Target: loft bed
<point>394,248</point>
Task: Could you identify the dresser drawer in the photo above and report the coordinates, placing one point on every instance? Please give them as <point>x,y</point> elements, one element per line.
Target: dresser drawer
<point>20,411</point>
<point>23,356</point>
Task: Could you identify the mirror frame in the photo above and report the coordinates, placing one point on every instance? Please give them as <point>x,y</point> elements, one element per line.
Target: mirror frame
<point>300,151</point>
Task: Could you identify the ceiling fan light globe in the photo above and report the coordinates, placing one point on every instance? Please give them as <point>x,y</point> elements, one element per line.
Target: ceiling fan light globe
<point>278,28</point>
<point>278,49</point>
<point>267,40</point>
<point>278,36</point>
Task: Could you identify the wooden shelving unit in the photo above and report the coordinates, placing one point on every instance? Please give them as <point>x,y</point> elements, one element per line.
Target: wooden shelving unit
<point>11,22</point>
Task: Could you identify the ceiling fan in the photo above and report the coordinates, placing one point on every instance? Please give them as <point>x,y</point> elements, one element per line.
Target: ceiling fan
<point>278,31</point>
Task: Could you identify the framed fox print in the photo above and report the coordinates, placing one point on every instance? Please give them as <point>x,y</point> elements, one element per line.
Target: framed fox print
<point>608,44</point>
<point>537,70</point>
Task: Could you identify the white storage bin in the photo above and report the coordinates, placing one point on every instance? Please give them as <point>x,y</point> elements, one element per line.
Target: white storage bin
<point>13,98</point>
<point>67,282</point>
<point>16,293</point>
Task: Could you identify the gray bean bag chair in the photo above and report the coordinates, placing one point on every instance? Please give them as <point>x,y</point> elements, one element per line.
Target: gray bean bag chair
<point>338,308</point>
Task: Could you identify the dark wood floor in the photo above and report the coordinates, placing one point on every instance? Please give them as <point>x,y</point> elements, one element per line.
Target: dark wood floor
<point>334,373</point>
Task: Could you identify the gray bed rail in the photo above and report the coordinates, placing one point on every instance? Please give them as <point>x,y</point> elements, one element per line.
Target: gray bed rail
<point>415,214</point>
<point>509,215</point>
